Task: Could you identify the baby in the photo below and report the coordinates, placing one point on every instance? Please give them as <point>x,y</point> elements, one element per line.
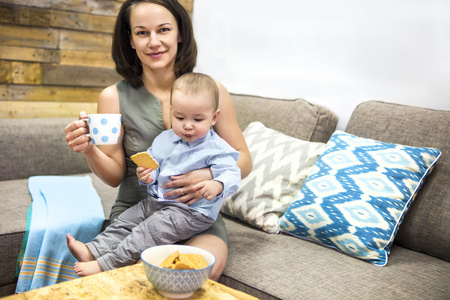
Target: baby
<point>189,145</point>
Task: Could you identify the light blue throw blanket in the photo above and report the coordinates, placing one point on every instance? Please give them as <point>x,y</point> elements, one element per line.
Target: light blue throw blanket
<point>61,205</point>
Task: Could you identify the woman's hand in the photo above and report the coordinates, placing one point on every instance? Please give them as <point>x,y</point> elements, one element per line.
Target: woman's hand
<point>75,137</point>
<point>185,190</point>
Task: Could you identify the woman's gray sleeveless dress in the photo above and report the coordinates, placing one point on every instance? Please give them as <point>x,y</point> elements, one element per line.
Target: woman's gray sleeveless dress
<point>142,121</point>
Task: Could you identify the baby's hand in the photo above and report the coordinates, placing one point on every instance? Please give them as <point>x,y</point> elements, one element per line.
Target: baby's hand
<point>144,175</point>
<point>209,189</point>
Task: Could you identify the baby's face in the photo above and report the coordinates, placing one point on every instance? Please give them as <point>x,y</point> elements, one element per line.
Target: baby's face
<point>192,115</point>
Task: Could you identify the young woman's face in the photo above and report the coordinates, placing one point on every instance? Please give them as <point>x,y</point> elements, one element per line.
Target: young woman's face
<point>192,115</point>
<point>154,36</point>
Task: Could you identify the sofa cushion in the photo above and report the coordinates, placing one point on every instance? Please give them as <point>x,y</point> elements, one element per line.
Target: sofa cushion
<point>357,195</point>
<point>297,118</point>
<point>280,166</point>
<point>427,225</point>
<point>276,266</point>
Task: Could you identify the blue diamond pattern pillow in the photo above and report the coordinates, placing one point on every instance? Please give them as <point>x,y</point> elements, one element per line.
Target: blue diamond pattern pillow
<point>357,195</point>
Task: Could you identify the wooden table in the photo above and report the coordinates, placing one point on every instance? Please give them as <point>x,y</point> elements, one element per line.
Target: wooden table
<point>123,283</point>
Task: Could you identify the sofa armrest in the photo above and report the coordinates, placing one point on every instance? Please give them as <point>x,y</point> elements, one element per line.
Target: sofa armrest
<point>426,226</point>
<point>30,147</point>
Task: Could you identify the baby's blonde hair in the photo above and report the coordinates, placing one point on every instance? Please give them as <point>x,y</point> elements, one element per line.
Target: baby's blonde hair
<point>197,83</point>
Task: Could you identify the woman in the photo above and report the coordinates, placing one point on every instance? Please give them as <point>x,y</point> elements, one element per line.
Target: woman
<point>153,44</point>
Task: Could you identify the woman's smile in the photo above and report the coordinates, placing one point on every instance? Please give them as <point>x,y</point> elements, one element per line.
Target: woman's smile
<point>156,54</point>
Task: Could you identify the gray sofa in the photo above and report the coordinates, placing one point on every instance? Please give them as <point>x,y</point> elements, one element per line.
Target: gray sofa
<point>272,266</point>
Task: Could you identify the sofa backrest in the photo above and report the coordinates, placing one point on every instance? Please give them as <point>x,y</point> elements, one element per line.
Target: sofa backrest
<point>30,147</point>
<point>426,226</point>
<point>297,118</point>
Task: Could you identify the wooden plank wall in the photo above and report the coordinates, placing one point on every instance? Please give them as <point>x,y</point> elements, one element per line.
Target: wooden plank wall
<point>55,55</point>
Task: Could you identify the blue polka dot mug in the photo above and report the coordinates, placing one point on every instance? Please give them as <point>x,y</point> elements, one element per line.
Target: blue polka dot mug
<point>104,129</point>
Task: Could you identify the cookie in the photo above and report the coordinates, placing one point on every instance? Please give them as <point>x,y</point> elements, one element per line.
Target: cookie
<point>143,159</point>
<point>168,263</point>
<point>184,261</point>
<point>191,261</point>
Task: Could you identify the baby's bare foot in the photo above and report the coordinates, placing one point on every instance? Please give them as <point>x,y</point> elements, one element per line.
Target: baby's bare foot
<point>87,268</point>
<point>78,249</point>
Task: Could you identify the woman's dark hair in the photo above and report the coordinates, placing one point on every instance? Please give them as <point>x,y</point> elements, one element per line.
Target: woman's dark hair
<point>127,62</point>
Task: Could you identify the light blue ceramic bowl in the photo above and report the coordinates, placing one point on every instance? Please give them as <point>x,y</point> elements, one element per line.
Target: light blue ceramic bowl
<point>175,284</point>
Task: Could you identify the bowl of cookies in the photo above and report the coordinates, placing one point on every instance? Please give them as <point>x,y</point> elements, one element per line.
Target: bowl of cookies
<point>177,271</point>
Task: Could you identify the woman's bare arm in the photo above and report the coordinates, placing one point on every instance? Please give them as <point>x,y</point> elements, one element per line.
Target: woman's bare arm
<point>108,161</point>
<point>227,128</point>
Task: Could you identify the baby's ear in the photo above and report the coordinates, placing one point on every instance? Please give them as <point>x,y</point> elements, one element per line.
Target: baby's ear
<point>215,117</point>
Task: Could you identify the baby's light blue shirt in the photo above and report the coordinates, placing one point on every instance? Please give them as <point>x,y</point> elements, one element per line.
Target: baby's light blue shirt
<point>176,157</point>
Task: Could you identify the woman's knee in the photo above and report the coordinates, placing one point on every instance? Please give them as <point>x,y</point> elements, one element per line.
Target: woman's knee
<point>217,247</point>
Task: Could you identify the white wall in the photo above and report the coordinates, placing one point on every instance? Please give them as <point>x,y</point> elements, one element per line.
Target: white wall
<point>329,52</point>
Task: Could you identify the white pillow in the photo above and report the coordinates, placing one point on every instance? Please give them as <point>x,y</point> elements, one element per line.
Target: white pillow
<point>280,166</point>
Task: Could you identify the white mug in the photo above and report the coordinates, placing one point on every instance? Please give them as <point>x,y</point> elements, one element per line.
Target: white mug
<point>104,129</point>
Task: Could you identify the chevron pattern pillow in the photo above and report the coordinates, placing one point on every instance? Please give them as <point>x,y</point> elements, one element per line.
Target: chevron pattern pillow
<point>280,166</point>
<point>357,195</point>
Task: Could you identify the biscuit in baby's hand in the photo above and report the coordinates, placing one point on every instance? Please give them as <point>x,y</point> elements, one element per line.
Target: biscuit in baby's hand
<point>143,159</point>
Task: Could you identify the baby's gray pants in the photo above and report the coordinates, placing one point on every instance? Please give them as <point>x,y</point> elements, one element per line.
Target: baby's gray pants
<point>149,223</point>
